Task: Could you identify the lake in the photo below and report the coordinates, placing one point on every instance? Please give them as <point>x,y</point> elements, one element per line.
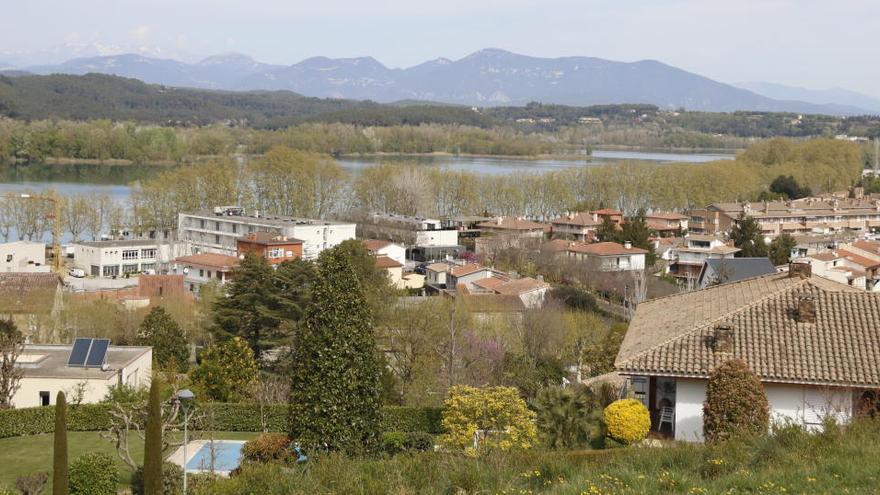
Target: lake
<point>115,179</point>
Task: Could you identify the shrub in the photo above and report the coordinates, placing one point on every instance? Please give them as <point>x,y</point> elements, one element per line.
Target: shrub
<point>393,442</point>
<point>566,417</point>
<point>172,480</point>
<point>159,330</point>
<point>93,474</point>
<point>419,441</point>
<point>627,421</point>
<point>226,370</point>
<point>267,447</point>
<point>498,413</point>
<point>735,403</point>
<point>32,484</point>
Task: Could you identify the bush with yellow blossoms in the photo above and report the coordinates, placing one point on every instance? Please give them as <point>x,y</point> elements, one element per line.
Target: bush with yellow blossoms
<point>500,416</point>
<point>627,421</point>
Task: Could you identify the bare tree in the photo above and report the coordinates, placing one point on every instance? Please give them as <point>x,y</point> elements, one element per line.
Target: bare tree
<point>267,391</point>
<point>11,346</point>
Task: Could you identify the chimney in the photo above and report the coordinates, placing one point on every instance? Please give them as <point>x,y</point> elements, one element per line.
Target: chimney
<point>800,269</point>
<point>596,215</point>
<point>498,220</point>
<point>722,338</point>
<point>627,244</point>
<point>806,309</point>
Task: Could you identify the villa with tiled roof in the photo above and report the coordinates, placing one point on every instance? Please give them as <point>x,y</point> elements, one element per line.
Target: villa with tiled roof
<point>814,343</point>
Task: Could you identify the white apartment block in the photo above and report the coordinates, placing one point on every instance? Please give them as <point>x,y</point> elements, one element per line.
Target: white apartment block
<point>216,231</point>
<point>118,258</point>
<point>23,256</point>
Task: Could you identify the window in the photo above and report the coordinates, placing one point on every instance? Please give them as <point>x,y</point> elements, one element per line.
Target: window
<point>129,254</point>
<point>201,273</point>
<point>201,224</point>
<point>111,270</point>
<point>216,239</point>
<point>96,271</point>
<point>44,398</point>
<point>216,225</point>
<point>209,273</point>
<point>235,228</point>
<point>148,253</point>
<point>276,253</point>
<point>219,275</point>
<point>132,268</point>
<point>145,267</point>
<point>640,390</point>
<point>9,258</point>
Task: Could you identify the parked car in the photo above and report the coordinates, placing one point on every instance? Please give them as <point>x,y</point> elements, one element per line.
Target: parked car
<point>77,273</point>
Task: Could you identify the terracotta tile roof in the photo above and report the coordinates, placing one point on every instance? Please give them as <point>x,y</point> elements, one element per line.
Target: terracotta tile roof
<point>558,245</point>
<point>858,259</point>
<point>674,335</point>
<point>210,259</point>
<point>269,239</point>
<point>665,215</point>
<point>511,223</point>
<point>461,271</point>
<point>521,286</point>
<point>580,219</point>
<point>438,267</point>
<point>606,249</point>
<point>826,256</point>
<point>608,212</point>
<point>386,262</point>
<point>869,246</point>
<point>375,244</point>
<point>491,283</point>
<point>655,224</point>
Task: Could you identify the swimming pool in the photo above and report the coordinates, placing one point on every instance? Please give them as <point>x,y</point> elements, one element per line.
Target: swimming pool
<point>225,454</point>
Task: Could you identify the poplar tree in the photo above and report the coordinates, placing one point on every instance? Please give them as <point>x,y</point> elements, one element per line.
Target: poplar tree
<point>60,480</point>
<point>153,443</point>
<point>335,370</point>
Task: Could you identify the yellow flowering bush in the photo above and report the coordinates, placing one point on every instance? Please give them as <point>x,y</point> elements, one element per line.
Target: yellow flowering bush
<point>627,420</point>
<point>498,413</point>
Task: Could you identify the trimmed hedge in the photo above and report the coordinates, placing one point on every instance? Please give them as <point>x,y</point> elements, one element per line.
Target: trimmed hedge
<point>216,416</point>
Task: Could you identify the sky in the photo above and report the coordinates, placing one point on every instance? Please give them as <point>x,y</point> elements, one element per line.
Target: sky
<point>808,43</point>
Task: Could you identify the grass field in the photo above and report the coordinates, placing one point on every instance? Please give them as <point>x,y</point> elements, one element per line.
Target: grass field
<point>25,455</point>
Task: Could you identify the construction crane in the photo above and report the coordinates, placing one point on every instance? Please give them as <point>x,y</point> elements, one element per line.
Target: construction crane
<point>55,216</point>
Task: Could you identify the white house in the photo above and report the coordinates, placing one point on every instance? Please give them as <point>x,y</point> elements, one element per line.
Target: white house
<point>217,231</point>
<point>200,269</point>
<point>117,258</point>
<point>23,256</point>
<point>814,343</point>
<point>49,369</point>
<point>386,248</point>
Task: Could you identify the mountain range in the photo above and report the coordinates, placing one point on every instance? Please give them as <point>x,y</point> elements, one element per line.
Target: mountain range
<point>488,77</point>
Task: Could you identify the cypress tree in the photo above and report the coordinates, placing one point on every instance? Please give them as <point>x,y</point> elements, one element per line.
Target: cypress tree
<point>335,370</point>
<point>60,480</point>
<point>153,443</point>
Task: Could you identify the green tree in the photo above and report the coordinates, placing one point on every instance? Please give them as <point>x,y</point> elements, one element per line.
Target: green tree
<point>335,368</point>
<point>11,346</point>
<point>746,235</point>
<point>608,231</point>
<point>780,249</point>
<point>248,311</point>
<point>292,283</point>
<point>735,402</point>
<point>161,332</point>
<point>788,186</point>
<point>153,442</point>
<point>635,230</point>
<point>566,417</point>
<point>60,480</point>
<point>226,370</point>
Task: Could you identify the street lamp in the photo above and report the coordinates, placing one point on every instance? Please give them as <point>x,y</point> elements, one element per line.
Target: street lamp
<point>186,399</point>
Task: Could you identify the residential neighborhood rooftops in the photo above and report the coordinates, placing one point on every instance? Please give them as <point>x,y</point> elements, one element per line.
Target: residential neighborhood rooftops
<point>221,261</point>
<point>580,219</point>
<point>826,256</point>
<point>605,249</point>
<point>512,223</point>
<point>438,267</point>
<point>461,271</point>
<point>788,328</point>
<point>858,259</point>
<point>50,361</point>
<point>869,246</point>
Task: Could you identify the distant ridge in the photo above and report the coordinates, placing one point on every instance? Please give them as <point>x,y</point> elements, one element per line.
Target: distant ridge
<point>488,77</point>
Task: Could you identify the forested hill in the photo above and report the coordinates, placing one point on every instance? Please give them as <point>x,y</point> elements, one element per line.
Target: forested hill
<point>95,96</point>
<point>98,96</point>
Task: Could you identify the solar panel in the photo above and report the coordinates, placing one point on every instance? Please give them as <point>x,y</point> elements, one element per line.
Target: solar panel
<point>98,352</point>
<point>79,352</point>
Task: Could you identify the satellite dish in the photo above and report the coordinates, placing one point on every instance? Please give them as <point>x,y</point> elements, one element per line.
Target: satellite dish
<point>185,270</point>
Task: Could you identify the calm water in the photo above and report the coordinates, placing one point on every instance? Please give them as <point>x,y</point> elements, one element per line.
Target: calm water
<point>115,179</point>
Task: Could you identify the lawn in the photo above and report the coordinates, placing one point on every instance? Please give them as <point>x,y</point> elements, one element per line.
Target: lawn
<point>25,455</point>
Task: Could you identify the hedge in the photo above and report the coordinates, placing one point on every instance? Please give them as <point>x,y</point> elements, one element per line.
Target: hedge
<point>215,416</point>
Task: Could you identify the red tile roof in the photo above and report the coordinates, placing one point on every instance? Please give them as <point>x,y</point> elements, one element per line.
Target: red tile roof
<point>608,212</point>
<point>862,261</point>
<point>461,271</point>
<point>606,249</point>
<point>210,259</point>
<point>580,219</point>
<point>386,262</point>
<point>375,244</point>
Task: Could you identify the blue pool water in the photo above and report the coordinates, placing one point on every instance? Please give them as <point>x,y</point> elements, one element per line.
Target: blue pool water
<point>227,456</point>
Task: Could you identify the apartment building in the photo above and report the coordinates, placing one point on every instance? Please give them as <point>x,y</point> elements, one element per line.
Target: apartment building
<point>128,257</point>
<point>802,216</point>
<point>579,226</point>
<point>687,261</point>
<point>218,231</point>
<point>667,224</point>
<point>275,248</point>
